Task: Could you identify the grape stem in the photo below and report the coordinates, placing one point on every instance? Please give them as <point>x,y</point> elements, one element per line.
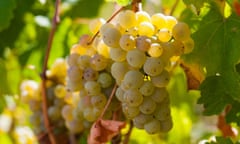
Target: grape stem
<point>137,5</point>
<point>113,16</point>
<point>127,136</point>
<point>109,101</point>
<point>55,21</point>
<point>174,7</point>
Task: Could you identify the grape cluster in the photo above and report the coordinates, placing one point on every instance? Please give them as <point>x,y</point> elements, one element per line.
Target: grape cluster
<point>56,97</point>
<point>137,52</point>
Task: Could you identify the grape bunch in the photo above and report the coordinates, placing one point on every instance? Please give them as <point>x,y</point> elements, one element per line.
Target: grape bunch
<point>137,52</point>
<point>56,97</point>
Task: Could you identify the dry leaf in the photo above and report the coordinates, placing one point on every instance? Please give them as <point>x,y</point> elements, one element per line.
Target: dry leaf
<point>104,130</point>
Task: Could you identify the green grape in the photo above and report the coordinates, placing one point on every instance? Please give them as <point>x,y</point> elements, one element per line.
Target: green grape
<point>60,91</point>
<point>75,126</point>
<point>72,59</point>
<point>164,35</point>
<point>141,119</point>
<point>142,16</point>
<point>143,43</point>
<point>133,97</point>
<point>136,58</point>
<point>118,54</point>
<point>126,19</point>
<point>77,113</point>
<point>152,127</point>
<point>85,101</point>
<point>92,87</point>
<point>162,79</point>
<point>105,27</point>
<point>83,61</point>
<point>159,20</point>
<point>89,114</point>
<point>159,94</point>
<point>120,94</point>
<point>99,100</point>
<point>74,73</point>
<point>73,85</point>
<point>119,69</point>
<point>98,62</point>
<point>181,31</point>
<point>132,79</point>
<point>54,113</point>
<point>105,80</point>
<point>111,36</point>
<point>96,24</point>
<point>90,74</point>
<point>132,31</point>
<point>166,125</point>
<point>155,50</point>
<point>162,112</point>
<point>130,112</point>
<point>103,49</point>
<point>188,45</point>
<point>67,112</point>
<point>29,90</point>
<point>146,28</point>
<point>153,66</point>
<point>127,42</point>
<point>147,88</point>
<point>170,22</point>
<point>148,106</point>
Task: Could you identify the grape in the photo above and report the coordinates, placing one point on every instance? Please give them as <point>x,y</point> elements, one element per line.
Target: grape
<point>117,54</point>
<point>60,91</point>
<point>152,126</point>
<point>73,85</point>
<point>126,19</point>
<point>67,112</point>
<point>105,80</point>
<point>132,31</point>
<point>89,74</point>
<point>188,45</point>
<point>98,101</point>
<point>84,102</point>
<point>155,50</point>
<point>170,22</point>
<point>105,27</point>
<point>166,125</point>
<point>159,94</point>
<point>162,112</point>
<point>130,112</point>
<point>132,79</point>
<point>89,115</point>
<point>181,31</point>
<point>136,58</point>
<point>103,49</point>
<point>111,37</point>
<point>118,70</point>
<point>133,97</point>
<point>146,28</point>
<point>72,59</point>
<point>54,113</point>
<point>74,126</point>
<point>127,42</point>
<point>147,88</point>
<point>83,61</point>
<point>143,43</point>
<point>161,80</point>
<point>98,62</point>
<point>153,66</point>
<point>75,74</point>
<point>141,119</point>
<point>159,20</point>
<point>142,16</point>
<point>148,106</point>
<point>164,35</point>
<point>120,94</point>
<point>92,87</point>
<point>96,24</point>
<point>77,113</point>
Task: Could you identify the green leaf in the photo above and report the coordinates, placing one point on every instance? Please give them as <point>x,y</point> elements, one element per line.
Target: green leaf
<point>198,4</point>
<point>213,95</point>
<point>234,114</point>
<point>222,140</point>
<point>6,12</point>
<point>123,2</point>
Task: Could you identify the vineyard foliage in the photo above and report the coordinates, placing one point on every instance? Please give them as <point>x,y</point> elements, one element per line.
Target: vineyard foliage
<point>204,88</point>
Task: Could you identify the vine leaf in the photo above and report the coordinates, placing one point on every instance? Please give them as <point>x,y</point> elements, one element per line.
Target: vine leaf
<point>6,13</point>
<point>104,130</point>
<point>198,4</point>
<point>217,50</point>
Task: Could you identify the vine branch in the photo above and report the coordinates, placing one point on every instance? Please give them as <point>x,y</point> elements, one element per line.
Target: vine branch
<point>47,125</point>
<point>137,5</point>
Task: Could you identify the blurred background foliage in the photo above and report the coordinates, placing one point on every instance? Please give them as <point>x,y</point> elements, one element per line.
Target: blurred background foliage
<point>24,30</point>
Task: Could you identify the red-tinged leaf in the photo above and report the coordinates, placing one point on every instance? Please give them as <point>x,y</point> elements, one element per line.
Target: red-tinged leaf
<point>225,128</point>
<point>104,130</point>
<point>236,5</point>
